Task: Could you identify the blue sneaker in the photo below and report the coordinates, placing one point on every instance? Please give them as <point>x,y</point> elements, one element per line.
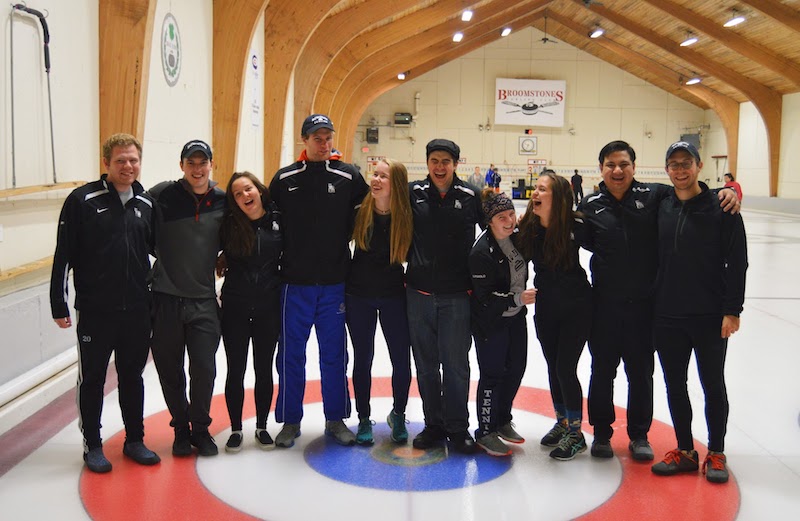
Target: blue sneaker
<point>364,435</point>
<point>398,424</point>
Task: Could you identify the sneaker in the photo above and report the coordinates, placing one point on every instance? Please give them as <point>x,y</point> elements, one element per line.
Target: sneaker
<point>602,449</point>
<point>264,440</point>
<point>204,443</point>
<point>140,454</point>
<point>364,436</point>
<point>96,461</point>
<point>508,433</point>
<point>182,446</point>
<point>553,437</point>
<point>288,433</point>
<point>431,435</point>
<point>715,467</point>
<point>641,450</point>
<point>462,442</point>
<point>398,424</point>
<point>676,461</point>
<point>337,430</point>
<point>572,444</point>
<point>493,445</point>
<point>234,443</point>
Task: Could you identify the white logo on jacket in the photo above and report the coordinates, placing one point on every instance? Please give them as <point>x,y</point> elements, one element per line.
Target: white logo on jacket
<point>331,188</point>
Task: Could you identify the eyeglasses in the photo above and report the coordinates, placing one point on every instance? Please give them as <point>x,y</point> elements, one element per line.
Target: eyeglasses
<point>685,165</point>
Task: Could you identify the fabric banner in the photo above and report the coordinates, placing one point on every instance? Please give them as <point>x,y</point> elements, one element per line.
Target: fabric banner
<point>532,103</point>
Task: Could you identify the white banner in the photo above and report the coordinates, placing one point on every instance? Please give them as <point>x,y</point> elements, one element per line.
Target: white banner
<point>532,103</point>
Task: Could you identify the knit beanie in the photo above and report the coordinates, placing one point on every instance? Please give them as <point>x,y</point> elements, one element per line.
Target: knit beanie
<point>496,203</point>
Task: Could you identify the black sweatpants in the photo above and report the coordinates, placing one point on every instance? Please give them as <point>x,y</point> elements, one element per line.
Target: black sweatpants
<point>241,323</point>
<point>502,358</point>
<point>675,339</point>
<point>621,331</point>
<point>180,326</point>
<point>127,335</point>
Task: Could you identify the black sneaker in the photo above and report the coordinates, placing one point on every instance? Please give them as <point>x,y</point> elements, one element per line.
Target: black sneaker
<point>204,443</point>
<point>430,436</point>
<point>182,446</point>
<point>462,442</point>
<point>554,435</point>
<point>96,461</point>
<point>140,454</point>
<point>602,449</point>
<point>234,443</point>
<point>641,450</point>
<point>572,444</point>
<point>264,440</point>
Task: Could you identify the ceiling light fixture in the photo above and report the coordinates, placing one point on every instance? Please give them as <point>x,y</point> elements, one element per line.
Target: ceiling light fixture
<point>506,31</point>
<point>401,76</point>
<point>694,81</point>
<point>458,37</point>
<point>597,32</point>
<point>735,20</point>
<point>466,16</point>
<point>691,39</point>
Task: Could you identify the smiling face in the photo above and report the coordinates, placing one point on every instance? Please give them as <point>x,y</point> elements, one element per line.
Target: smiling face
<point>502,224</point>
<point>441,168</point>
<point>542,199</point>
<point>196,170</point>
<point>684,171</point>
<point>319,145</point>
<point>247,198</point>
<point>380,184</point>
<point>123,166</point>
<point>617,171</point>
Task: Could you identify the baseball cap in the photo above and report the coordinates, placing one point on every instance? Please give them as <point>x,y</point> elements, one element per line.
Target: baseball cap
<point>315,122</point>
<point>445,145</point>
<point>685,146</point>
<point>195,146</point>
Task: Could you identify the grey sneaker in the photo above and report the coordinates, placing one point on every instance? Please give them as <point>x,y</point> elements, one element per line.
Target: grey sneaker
<point>340,433</point>
<point>715,467</point>
<point>508,433</point>
<point>572,444</point>
<point>602,449</point>
<point>554,435</point>
<point>287,435</point>
<point>676,461</point>
<point>96,461</point>
<point>493,445</point>
<point>140,454</point>
<point>641,450</point>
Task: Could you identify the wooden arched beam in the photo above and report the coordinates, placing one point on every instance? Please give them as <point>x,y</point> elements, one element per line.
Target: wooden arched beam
<point>442,52</point>
<point>287,28</point>
<point>234,26</point>
<point>787,15</point>
<point>330,37</point>
<point>726,108</point>
<point>779,64</point>
<point>768,102</point>
<point>124,65</point>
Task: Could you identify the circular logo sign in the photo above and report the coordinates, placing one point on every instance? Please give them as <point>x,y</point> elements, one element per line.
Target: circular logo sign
<point>170,50</point>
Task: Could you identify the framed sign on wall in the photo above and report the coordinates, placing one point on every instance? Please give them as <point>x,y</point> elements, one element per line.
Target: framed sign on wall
<point>528,145</point>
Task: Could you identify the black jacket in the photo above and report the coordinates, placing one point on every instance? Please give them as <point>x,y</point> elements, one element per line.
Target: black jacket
<point>250,280</point>
<point>107,246</point>
<point>444,231</point>
<point>703,258</point>
<point>371,273</point>
<point>491,284</point>
<point>318,201</point>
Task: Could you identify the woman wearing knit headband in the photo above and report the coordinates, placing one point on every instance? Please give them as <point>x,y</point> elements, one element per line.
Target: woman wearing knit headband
<point>498,301</point>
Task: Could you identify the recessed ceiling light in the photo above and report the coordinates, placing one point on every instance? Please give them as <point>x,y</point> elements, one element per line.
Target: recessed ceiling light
<point>506,31</point>
<point>466,16</point>
<point>401,76</point>
<point>458,37</point>
<point>693,81</point>
<point>690,40</point>
<point>597,32</point>
<point>735,20</point>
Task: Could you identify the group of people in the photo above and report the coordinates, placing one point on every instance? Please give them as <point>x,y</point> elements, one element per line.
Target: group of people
<point>665,260</point>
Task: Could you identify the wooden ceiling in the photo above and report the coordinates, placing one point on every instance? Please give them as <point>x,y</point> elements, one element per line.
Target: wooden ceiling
<point>344,54</point>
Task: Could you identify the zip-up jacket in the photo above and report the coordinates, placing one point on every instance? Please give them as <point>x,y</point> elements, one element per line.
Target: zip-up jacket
<point>318,201</point>
<point>187,239</point>
<point>622,238</point>
<point>444,231</point>
<point>249,279</point>
<point>107,246</point>
<point>491,284</point>
<point>703,258</point>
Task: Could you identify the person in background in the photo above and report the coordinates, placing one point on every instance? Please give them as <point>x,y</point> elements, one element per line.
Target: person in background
<point>105,235</point>
<point>498,301</point>
<point>699,297</point>
<point>577,187</point>
<point>251,244</point>
<point>730,182</point>
<point>489,179</point>
<point>496,180</point>
<point>549,236</point>
<point>375,290</point>
<point>476,179</point>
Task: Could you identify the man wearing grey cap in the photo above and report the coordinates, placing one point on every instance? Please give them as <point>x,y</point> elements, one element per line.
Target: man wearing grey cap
<point>185,315</point>
<point>445,211</point>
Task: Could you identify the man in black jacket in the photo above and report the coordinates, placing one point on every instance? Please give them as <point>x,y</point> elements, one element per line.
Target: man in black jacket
<point>445,211</point>
<point>105,234</point>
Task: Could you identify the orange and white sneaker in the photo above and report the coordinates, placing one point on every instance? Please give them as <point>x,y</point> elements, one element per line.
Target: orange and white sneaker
<point>715,467</point>
<point>676,461</point>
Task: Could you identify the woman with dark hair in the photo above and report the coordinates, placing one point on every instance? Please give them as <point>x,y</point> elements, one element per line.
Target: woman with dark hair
<point>375,289</point>
<point>251,242</point>
<point>498,301</point>
<point>563,303</point>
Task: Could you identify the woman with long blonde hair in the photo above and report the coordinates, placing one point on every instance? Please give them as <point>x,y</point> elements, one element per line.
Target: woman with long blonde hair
<point>375,289</point>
